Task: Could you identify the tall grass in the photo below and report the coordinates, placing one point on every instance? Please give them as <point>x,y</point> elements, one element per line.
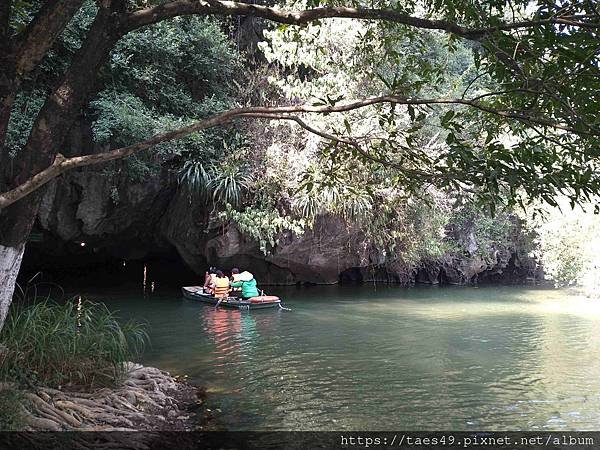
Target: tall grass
<point>79,344</point>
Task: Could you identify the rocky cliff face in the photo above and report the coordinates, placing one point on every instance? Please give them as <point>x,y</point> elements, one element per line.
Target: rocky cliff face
<point>330,253</point>
<point>82,207</point>
<point>129,221</point>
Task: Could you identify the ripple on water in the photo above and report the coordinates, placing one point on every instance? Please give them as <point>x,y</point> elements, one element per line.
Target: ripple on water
<point>494,358</point>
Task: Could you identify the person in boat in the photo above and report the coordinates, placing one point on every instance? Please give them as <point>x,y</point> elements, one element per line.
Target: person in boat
<point>235,291</point>
<point>221,289</point>
<point>246,282</point>
<point>210,278</point>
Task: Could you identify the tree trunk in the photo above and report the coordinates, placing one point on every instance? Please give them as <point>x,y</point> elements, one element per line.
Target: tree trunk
<point>21,54</point>
<point>16,222</point>
<point>10,262</point>
<point>7,97</point>
<point>47,135</point>
<point>8,93</point>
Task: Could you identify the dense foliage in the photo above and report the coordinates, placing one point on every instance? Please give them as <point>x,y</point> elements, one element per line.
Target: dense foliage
<point>161,78</point>
<point>525,76</point>
<point>487,114</point>
<point>303,176</point>
<point>568,246</point>
<point>158,78</point>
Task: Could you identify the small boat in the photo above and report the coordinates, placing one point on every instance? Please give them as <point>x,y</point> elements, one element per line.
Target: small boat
<point>260,302</point>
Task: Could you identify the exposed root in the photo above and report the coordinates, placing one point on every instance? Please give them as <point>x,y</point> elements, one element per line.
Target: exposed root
<point>146,400</point>
<point>40,423</point>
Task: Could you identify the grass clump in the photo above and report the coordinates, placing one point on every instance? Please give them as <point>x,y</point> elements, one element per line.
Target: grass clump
<point>70,344</point>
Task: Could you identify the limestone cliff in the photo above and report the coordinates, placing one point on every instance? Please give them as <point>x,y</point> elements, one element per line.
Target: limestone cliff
<point>129,221</point>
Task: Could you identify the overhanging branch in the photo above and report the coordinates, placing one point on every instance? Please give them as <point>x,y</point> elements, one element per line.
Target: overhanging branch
<point>354,144</point>
<point>62,164</point>
<point>176,8</point>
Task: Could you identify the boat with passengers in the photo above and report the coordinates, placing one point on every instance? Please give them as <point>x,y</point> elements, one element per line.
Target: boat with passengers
<point>259,302</point>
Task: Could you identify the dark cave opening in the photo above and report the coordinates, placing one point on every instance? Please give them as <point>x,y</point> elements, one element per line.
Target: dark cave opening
<point>81,264</point>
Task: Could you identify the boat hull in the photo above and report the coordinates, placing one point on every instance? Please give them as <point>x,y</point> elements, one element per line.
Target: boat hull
<point>196,293</point>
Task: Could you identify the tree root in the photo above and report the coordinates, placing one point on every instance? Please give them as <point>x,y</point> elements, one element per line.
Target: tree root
<point>141,402</point>
<point>40,423</point>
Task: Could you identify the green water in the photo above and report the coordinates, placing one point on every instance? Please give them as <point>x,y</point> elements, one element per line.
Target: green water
<point>386,359</point>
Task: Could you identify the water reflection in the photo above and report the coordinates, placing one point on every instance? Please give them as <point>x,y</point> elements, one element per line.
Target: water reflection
<point>233,332</point>
<point>494,358</point>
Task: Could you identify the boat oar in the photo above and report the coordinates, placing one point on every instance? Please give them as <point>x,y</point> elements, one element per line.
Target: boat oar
<point>284,308</point>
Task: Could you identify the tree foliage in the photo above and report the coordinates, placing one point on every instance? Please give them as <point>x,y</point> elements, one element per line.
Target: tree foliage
<point>399,215</point>
<point>568,246</point>
<point>524,127</point>
<point>157,79</point>
<point>533,132</point>
<point>495,101</point>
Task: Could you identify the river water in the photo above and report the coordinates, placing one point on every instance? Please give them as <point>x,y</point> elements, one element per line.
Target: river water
<point>385,358</point>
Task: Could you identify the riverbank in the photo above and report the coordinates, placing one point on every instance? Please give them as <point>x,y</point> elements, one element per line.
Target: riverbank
<point>148,399</point>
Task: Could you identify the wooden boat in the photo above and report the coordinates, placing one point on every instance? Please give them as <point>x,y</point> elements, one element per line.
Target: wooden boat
<point>260,302</point>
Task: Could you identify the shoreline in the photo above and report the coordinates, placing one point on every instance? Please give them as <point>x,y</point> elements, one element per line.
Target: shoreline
<point>149,399</point>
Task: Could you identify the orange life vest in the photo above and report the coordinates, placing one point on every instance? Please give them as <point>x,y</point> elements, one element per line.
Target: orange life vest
<point>222,287</point>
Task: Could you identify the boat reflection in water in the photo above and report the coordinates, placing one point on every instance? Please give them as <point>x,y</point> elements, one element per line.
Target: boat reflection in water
<point>233,332</point>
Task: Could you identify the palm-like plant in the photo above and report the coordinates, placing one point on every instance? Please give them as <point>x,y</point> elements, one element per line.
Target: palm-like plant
<point>195,176</point>
<point>344,201</point>
<point>223,184</point>
<point>230,184</point>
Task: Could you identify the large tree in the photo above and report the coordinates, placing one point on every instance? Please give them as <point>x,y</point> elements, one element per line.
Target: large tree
<point>536,122</point>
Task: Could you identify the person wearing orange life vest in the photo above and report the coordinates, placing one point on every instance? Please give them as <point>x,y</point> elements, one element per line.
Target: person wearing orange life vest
<point>221,289</point>
<point>210,278</point>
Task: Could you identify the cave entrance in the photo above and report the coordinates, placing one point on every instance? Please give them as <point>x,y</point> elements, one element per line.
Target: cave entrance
<point>351,275</point>
<point>74,265</point>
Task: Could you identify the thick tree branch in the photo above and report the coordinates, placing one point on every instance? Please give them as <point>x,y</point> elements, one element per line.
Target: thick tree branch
<point>70,95</point>
<point>55,120</point>
<point>19,57</point>
<point>61,164</point>
<point>175,8</point>
<point>43,31</point>
<point>7,74</point>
